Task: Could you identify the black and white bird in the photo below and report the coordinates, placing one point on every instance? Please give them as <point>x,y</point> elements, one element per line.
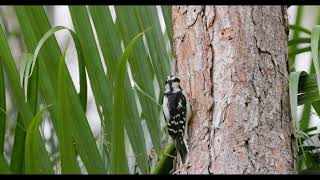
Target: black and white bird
<point>177,112</point>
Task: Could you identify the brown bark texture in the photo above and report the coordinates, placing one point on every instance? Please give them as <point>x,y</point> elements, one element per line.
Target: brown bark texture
<point>232,62</point>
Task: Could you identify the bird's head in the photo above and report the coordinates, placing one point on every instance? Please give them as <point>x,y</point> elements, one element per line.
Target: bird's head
<point>172,84</point>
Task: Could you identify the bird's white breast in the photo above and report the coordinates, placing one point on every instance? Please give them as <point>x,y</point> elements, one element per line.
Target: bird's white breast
<point>165,108</point>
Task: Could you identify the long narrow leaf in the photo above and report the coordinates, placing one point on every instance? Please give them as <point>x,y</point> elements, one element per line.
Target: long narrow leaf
<point>37,160</point>
<point>316,106</point>
<point>101,86</point>
<point>69,162</point>
<point>304,121</point>
<point>298,41</point>
<point>7,61</point>
<point>167,13</point>
<point>295,35</point>
<point>308,83</point>
<point>299,28</point>
<point>299,51</point>
<point>142,71</point>
<point>293,94</point>
<point>2,110</point>
<point>148,17</point>
<point>31,95</point>
<point>82,75</point>
<point>109,39</point>
<point>308,97</point>
<point>13,77</point>
<point>33,30</point>
<point>118,158</point>
<point>17,157</point>
<point>110,43</point>
<point>315,51</point>
<point>4,168</point>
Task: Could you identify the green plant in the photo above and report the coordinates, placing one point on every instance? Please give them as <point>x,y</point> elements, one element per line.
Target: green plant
<point>44,80</point>
<point>304,90</point>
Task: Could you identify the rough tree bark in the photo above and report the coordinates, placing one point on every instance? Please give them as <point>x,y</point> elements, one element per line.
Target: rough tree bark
<point>232,61</point>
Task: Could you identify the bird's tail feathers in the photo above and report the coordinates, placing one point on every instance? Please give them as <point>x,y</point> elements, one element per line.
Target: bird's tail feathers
<point>182,150</point>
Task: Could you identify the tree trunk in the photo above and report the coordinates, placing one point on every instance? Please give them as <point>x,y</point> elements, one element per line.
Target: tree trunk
<point>232,62</point>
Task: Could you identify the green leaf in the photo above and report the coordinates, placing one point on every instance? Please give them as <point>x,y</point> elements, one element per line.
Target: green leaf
<point>26,61</point>
<point>304,163</point>
<point>298,28</point>
<point>13,78</point>
<point>19,100</point>
<point>293,94</point>
<point>34,24</point>
<point>298,41</point>
<point>304,121</point>
<point>37,160</point>
<point>31,95</point>
<point>2,110</point>
<point>315,51</point>
<point>118,156</point>
<point>165,163</point>
<point>28,23</point>
<point>148,17</point>
<point>316,106</point>
<point>307,130</point>
<point>110,44</point>
<point>82,72</point>
<point>17,157</point>
<point>295,34</point>
<point>69,163</point>
<point>100,83</point>
<point>109,39</point>
<point>30,86</point>
<point>142,71</point>
<point>4,168</point>
<point>167,14</point>
<point>308,84</point>
<point>307,107</point>
<point>308,89</point>
<point>298,51</point>
<point>308,97</point>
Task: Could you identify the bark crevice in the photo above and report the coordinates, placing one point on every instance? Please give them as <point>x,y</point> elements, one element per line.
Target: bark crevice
<point>209,21</point>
